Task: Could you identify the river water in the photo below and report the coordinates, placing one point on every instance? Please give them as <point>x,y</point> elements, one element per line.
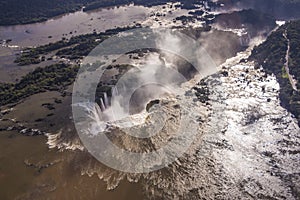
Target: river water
<point>80,22</point>
<point>73,24</point>
<point>55,29</point>
<point>63,180</point>
<point>77,23</point>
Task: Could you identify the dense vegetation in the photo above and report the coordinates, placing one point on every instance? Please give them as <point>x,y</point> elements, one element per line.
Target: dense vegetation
<point>51,78</point>
<point>74,48</point>
<point>293,34</point>
<point>83,45</point>
<point>271,56</point>
<point>54,78</point>
<point>30,11</point>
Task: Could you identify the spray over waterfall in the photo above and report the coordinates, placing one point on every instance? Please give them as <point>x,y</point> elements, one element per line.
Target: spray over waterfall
<point>234,124</point>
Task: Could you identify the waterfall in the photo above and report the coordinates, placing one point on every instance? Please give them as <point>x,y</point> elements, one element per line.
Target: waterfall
<point>114,92</point>
<point>106,100</point>
<point>102,105</point>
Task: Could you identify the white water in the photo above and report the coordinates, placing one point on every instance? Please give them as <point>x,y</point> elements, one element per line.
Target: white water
<point>241,146</point>
<point>244,147</point>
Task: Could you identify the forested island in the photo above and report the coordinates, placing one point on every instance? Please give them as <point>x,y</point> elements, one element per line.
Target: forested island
<point>54,77</point>
<point>51,78</point>
<point>74,48</point>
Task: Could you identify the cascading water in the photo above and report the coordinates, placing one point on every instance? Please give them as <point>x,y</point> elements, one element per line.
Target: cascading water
<point>102,105</point>
<point>243,145</point>
<point>105,100</point>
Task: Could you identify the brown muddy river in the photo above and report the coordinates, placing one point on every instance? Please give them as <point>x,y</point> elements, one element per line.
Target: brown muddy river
<point>55,29</point>
<point>66,26</point>
<point>22,158</point>
<point>28,168</point>
<point>77,23</point>
<point>62,180</point>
